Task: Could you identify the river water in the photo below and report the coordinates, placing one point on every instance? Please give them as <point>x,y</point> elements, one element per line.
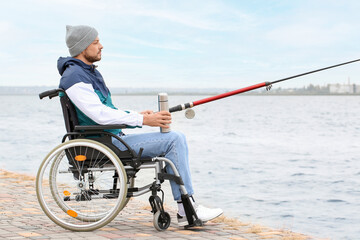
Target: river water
<point>289,162</point>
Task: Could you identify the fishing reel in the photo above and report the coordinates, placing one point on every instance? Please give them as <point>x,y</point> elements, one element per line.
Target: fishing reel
<point>189,113</point>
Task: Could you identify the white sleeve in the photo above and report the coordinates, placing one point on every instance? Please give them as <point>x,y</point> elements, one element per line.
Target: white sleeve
<point>87,101</point>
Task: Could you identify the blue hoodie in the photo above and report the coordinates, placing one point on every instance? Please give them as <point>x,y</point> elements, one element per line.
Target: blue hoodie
<point>73,71</point>
<point>80,81</point>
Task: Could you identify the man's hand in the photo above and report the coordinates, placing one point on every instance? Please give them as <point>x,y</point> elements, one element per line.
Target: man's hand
<point>158,119</point>
<point>147,112</point>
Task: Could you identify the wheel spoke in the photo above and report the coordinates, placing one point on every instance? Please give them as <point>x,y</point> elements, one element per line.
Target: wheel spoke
<point>75,199</point>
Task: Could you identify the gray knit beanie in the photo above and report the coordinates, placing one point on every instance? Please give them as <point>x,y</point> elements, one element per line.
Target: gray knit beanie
<point>78,38</point>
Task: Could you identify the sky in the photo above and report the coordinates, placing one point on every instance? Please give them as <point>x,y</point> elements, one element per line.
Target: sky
<point>186,44</point>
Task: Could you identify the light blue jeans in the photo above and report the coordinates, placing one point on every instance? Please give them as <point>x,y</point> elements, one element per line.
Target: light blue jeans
<point>172,144</point>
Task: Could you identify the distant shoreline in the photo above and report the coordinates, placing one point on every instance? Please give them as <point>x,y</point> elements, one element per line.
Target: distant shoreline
<point>309,91</point>
<point>199,94</point>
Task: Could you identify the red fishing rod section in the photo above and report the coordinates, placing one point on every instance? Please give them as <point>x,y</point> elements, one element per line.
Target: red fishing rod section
<point>228,94</point>
<point>247,89</point>
<point>217,97</point>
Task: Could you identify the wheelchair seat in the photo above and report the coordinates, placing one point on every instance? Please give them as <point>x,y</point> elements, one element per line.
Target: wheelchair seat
<point>84,182</point>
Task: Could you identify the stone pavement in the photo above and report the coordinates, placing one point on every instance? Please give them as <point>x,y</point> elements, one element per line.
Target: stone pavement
<point>22,218</point>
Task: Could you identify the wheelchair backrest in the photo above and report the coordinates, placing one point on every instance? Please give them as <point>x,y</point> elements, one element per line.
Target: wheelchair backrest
<point>69,112</point>
<point>71,120</point>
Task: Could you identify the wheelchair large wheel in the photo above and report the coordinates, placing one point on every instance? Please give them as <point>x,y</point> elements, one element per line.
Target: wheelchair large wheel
<point>81,185</point>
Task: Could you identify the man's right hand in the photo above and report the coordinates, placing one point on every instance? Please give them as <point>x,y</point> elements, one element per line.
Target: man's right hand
<point>158,119</point>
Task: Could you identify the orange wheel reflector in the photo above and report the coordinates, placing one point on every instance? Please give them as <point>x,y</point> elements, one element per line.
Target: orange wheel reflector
<point>67,193</point>
<point>72,213</point>
<point>80,158</point>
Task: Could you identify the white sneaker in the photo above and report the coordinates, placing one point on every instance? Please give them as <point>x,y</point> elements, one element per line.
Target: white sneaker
<point>203,213</point>
<point>206,214</point>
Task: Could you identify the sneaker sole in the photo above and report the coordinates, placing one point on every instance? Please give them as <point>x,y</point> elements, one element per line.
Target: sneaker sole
<point>206,220</point>
<point>183,224</point>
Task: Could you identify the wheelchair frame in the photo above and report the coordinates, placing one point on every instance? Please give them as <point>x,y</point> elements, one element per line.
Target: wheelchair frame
<point>68,175</point>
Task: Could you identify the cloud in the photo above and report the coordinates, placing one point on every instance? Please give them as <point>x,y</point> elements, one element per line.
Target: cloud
<point>314,24</point>
<point>159,44</point>
<point>213,16</point>
<point>182,41</point>
<point>202,21</point>
<point>5,26</point>
<point>119,55</point>
<point>9,32</point>
<point>308,35</point>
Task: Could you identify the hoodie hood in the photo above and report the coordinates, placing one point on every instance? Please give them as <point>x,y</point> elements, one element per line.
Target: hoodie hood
<point>64,62</point>
<point>73,71</point>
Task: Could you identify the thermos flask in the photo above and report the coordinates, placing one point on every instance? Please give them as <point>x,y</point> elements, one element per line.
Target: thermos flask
<point>163,106</point>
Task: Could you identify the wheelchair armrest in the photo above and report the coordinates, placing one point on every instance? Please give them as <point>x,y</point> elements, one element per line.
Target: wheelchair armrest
<point>98,127</point>
<point>50,93</point>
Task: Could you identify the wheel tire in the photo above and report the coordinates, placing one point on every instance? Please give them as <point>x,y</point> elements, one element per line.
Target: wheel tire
<point>161,221</point>
<point>86,209</point>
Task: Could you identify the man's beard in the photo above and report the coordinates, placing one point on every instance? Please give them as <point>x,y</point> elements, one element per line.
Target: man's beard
<point>91,59</point>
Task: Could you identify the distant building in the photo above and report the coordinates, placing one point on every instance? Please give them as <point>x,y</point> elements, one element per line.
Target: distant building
<point>344,88</point>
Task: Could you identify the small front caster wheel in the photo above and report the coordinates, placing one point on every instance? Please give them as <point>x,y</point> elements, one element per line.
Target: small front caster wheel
<point>161,220</point>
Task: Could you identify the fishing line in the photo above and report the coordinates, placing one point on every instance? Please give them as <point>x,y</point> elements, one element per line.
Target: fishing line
<point>268,85</point>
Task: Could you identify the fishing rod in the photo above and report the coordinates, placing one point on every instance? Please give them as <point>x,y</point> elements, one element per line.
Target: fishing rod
<point>268,86</point>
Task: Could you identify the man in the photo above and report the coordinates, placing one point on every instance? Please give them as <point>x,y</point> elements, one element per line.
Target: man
<point>86,88</point>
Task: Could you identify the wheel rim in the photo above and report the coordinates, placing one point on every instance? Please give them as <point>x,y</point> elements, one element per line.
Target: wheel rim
<point>161,220</point>
<point>91,204</point>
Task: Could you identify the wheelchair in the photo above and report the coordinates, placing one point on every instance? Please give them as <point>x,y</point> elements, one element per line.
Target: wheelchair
<point>84,182</point>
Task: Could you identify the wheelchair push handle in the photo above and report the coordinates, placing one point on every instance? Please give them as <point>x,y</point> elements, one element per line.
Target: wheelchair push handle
<point>50,93</point>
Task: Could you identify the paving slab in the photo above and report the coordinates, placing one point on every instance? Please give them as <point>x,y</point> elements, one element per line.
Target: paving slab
<point>21,217</point>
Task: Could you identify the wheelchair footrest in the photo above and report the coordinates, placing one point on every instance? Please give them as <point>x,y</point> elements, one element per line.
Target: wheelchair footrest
<point>190,212</point>
<point>196,223</point>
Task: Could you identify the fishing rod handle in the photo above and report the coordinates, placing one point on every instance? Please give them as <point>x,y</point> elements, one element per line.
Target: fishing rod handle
<point>181,107</point>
